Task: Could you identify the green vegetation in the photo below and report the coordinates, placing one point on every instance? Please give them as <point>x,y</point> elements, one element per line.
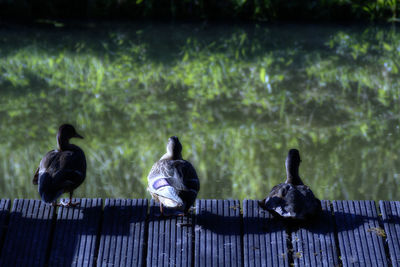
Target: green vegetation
<point>237,97</point>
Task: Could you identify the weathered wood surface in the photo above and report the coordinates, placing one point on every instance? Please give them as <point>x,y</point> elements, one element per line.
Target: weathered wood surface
<point>76,233</point>
<point>391,220</point>
<point>169,239</point>
<point>218,233</point>
<point>358,233</point>
<point>123,231</point>
<point>28,233</point>
<point>314,243</point>
<point>5,205</point>
<point>129,232</point>
<point>265,238</point>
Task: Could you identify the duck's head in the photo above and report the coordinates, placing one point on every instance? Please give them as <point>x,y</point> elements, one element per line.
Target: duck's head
<point>66,132</point>
<point>292,167</point>
<point>293,158</point>
<point>174,147</point>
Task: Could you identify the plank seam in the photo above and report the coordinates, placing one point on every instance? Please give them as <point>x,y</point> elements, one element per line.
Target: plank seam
<point>146,235</point>
<point>336,235</point>
<point>385,240</point>
<point>289,245</point>
<point>371,211</point>
<point>98,237</point>
<point>359,233</point>
<point>192,239</point>
<point>51,233</point>
<point>241,233</point>
<point>6,223</point>
<point>396,209</point>
<point>28,216</point>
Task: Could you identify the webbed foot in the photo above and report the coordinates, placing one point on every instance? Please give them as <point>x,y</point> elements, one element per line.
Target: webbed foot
<point>69,204</point>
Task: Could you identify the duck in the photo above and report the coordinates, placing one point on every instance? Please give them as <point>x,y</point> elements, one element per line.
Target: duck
<point>292,199</point>
<point>173,181</point>
<point>61,170</point>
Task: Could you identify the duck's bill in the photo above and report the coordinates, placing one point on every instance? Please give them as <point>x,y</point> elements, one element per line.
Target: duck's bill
<point>78,136</point>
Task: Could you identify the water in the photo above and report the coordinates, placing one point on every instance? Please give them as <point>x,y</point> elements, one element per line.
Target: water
<point>239,97</point>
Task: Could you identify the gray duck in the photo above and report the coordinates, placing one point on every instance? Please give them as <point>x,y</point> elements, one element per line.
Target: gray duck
<point>173,181</point>
<point>292,199</point>
<point>61,170</point>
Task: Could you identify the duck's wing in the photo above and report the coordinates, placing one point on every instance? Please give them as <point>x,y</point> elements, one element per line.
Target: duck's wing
<point>72,169</point>
<point>275,202</point>
<point>311,205</point>
<point>158,174</point>
<point>295,202</point>
<point>163,185</point>
<point>49,165</point>
<point>36,177</point>
<point>61,171</point>
<point>188,177</point>
<point>49,189</point>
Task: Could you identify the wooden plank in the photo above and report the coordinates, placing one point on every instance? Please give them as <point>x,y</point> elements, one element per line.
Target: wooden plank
<point>391,221</point>
<point>4,216</point>
<point>28,233</point>
<point>359,243</point>
<point>314,242</point>
<point>218,233</point>
<point>122,235</point>
<point>265,239</point>
<point>76,233</point>
<point>169,239</point>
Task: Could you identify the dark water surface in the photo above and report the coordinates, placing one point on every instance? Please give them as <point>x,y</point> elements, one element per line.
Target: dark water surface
<point>239,97</point>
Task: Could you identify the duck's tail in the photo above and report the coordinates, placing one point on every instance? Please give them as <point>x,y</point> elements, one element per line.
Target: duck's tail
<point>168,196</point>
<point>261,204</point>
<point>48,190</point>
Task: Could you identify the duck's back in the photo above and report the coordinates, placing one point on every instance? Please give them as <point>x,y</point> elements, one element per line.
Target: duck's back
<point>190,181</point>
<point>292,201</point>
<point>67,169</point>
<point>75,161</point>
<point>174,179</point>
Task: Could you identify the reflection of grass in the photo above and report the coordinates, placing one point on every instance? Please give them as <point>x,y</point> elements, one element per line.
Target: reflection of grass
<point>238,101</point>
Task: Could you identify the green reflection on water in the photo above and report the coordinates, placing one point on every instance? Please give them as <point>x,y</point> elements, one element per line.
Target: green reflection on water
<point>238,97</point>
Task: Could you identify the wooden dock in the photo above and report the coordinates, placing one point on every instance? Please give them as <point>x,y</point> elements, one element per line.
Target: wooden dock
<point>129,232</point>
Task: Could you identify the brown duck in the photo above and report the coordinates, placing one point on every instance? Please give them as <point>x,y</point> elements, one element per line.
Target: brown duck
<point>173,181</point>
<point>61,170</point>
<point>292,199</point>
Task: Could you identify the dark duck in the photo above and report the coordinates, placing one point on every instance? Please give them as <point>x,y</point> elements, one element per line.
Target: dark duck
<point>292,199</point>
<point>173,181</point>
<point>61,170</point>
